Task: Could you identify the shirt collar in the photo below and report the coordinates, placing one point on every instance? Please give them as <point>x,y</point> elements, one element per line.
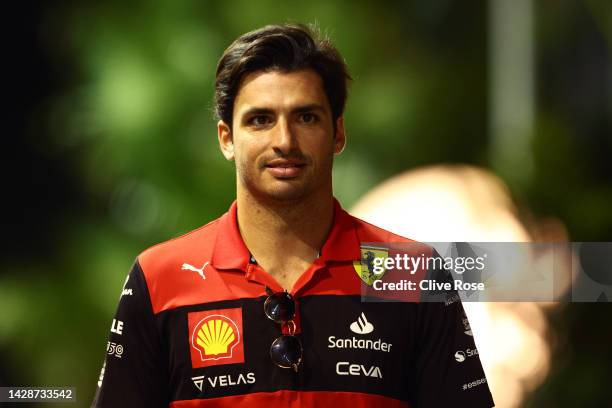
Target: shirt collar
<point>230,252</point>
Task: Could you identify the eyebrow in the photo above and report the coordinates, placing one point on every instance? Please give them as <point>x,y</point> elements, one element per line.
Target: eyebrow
<point>300,109</point>
<point>309,108</point>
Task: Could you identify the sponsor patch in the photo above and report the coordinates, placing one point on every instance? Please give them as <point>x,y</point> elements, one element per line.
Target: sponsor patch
<point>114,349</point>
<point>361,325</point>
<point>126,291</point>
<point>216,337</point>
<point>117,327</point>
<point>365,267</point>
<point>198,381</point>
<point>101,378</point>
<point>467,329</point>
<point>226,380</point>
<point>461,355</point>
<point>199,271</point>
<point>346,368</point>
<point>473,384</point>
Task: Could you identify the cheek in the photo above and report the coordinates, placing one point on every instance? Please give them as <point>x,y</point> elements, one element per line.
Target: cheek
<point>324,149</point>
<point>246,153</point>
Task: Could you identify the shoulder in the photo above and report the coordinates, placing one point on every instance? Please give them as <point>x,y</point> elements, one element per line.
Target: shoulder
<point>193,248</point>
<point>371,233</point>
<point>397,244</point>
<point>199,240</point>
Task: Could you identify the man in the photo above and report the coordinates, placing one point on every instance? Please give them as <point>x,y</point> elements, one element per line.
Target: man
<point>263,306</point>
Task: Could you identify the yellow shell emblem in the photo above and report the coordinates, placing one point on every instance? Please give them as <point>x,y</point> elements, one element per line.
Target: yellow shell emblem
<point>216,336</point>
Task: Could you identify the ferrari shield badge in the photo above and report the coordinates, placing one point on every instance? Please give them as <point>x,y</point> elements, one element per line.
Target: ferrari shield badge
<point>365,267</point>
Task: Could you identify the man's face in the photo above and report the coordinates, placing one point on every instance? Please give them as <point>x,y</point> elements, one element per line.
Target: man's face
<point>282,137</point>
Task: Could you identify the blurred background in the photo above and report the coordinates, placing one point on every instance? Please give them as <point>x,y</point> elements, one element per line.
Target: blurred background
<point>496,110</point>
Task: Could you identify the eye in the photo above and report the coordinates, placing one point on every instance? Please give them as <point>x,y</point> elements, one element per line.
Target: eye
<point>259,120</point>
<point>308,117</point>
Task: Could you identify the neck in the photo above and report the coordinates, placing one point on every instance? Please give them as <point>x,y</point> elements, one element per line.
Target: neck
<point>285,237</point>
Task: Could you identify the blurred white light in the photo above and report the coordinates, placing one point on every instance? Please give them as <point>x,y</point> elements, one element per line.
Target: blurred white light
<point>467,204</point>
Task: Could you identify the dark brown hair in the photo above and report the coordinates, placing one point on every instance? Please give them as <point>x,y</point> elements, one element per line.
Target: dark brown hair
<point>287,47</point>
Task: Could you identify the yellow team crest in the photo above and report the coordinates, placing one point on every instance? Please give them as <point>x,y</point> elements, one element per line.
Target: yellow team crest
<point>365,267</point>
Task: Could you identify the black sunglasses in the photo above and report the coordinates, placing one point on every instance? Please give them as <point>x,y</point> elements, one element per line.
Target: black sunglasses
<point>286,350</point>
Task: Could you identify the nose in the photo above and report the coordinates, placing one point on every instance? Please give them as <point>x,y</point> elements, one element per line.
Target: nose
<point>285,138</point>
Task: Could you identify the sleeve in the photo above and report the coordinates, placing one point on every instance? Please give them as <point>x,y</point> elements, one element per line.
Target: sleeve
<point>134,373</point>
<point>448,368</point>
<point>449,372</point>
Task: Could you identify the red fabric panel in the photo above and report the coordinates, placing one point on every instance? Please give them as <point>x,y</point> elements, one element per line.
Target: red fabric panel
<point>296,399</point>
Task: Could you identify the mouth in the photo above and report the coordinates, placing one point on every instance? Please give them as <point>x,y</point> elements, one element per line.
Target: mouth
<point>285,169</point>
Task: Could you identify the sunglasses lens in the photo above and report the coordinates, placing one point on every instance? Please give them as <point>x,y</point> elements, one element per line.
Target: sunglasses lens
<point>280,307</point>
<point>286,352</point>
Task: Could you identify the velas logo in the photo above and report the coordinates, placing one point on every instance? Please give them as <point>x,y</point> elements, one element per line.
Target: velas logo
<point>216,337</point>
<point>198,381</point>
<point>224,380</point>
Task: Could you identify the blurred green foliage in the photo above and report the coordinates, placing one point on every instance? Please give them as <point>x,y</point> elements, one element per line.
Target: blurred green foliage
<point>133,129</point>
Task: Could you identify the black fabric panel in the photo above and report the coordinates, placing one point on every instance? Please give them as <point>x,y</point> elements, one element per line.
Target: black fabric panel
<point>420,366</point>
<point>448,366</point>
<point>321,317</point>
<point>134,374</point>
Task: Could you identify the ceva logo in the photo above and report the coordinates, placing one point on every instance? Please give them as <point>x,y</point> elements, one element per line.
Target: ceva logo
<point>346,368</point>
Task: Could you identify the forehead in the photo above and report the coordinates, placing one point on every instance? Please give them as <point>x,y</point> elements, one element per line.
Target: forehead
<point>278,90</point>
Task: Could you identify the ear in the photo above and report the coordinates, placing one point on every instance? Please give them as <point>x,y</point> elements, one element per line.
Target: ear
<point>340,136</point>
<point>226,141</point>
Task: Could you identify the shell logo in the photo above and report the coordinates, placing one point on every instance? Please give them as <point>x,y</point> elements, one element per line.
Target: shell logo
<point>216,337</point>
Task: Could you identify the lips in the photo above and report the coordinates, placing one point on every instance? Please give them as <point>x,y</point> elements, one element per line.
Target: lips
<point>284,168</point>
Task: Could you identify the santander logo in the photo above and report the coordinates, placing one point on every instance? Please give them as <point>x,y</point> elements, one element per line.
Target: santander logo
<point>362,326</point>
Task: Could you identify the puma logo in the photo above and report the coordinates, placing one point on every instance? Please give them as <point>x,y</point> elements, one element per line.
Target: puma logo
<point>200,271</point>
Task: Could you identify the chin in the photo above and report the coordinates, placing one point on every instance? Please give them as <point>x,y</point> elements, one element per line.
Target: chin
<point>287,193</point>
<point>279,191</point>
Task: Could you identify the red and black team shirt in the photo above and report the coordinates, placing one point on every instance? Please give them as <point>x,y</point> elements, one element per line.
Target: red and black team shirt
<point>190,331</point>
